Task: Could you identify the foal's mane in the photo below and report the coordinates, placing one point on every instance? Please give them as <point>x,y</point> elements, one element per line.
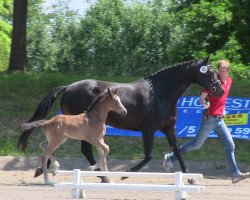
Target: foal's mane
<point>97,99</point>
<point>175,66</point>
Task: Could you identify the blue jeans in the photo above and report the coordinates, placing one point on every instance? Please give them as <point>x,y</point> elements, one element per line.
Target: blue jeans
<point>219,127</point>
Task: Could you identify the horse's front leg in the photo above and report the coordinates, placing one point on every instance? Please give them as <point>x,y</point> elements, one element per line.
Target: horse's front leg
<point>170,131</point>
<point>87,151</point>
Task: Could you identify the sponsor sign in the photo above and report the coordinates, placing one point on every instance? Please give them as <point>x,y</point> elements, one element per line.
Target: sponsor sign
<point>190,114</point>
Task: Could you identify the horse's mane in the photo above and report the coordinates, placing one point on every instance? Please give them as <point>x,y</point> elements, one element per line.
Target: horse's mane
<point>168,68</point>
<point>97,99</point>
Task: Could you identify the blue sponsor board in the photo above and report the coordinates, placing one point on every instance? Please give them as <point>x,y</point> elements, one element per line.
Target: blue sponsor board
<point>190,114</point>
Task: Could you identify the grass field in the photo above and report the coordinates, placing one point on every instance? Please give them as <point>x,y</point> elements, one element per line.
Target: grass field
<point>20,93</point>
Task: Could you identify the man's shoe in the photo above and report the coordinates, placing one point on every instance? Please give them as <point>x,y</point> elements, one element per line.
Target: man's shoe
<point>167,164</point>
<point>240,177</point>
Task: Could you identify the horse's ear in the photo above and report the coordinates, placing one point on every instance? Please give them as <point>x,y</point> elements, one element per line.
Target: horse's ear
<point>116,91</point>
<point>206,61</point>
<point>109,92</point>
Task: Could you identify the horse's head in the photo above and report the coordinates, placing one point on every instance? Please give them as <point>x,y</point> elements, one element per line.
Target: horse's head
<point>115,102</point>
<point>208,78</point>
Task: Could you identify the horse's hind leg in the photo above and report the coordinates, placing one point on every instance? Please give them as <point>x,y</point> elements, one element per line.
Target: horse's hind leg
<point>98,165</point>
<point>86,149</point>
<point>148,139</point>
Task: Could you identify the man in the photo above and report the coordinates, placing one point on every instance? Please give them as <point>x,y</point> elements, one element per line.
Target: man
<point>213,121</point>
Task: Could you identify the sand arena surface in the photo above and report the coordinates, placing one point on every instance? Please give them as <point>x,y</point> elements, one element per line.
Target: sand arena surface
<point>17,182</point>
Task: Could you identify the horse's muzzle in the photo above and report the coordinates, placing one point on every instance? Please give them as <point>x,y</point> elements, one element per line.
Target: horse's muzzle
<point>218,93</point>
<point>123,112</point>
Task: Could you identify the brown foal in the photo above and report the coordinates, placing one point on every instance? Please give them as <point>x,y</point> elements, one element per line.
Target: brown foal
<point>88,126</point>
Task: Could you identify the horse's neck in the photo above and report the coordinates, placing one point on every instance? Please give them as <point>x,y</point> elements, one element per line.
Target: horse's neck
<point>173,82</point>
<point>99,112</point>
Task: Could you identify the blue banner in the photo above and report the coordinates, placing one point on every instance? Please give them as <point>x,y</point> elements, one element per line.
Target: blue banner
<point>190,114</point>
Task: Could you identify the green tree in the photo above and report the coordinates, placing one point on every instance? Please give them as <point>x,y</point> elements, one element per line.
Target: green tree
<point>241,26</point>
<point>64,25</point>
<point>50,37</point>
<point>202,26</point>
<point>146,33</point>
<point>39,46</point>
<point>5,32</point>
<point>118,38</point>
<point>100,33</point>
<point>18,53</point>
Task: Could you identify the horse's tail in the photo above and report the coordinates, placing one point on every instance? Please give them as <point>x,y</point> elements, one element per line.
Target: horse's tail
<point>42,110</point>
<point>35,124</point>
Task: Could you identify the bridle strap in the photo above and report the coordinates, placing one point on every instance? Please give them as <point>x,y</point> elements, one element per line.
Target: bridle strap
<point>218,81</point>
<point>212,88</point>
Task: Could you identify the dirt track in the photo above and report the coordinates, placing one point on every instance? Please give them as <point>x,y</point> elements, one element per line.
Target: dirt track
<point>17,182</point>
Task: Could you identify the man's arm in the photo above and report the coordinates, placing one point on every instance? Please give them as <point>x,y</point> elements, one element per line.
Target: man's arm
<point>203,100</point>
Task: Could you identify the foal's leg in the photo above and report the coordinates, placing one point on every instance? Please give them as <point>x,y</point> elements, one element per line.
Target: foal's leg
<point>55,164</point>
<point>39,170</point>
<point>98,165</point>
<point>103,152</point>
<point>47,152</point>
<point>87,151</point>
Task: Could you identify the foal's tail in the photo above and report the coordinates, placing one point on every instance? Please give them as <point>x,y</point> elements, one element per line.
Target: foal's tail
<point>35,124</point>
<point>42,110</point>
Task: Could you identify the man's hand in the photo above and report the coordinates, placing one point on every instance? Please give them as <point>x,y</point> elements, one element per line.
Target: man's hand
<point>206,105</point>
<point>204,100</point>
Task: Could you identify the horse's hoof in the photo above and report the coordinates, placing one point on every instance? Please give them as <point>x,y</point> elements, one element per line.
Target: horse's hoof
<point>52,183</point>
<point>124,177</point>
<point>38,172</point>
<point>94,168</point>
<point>192,181</point>
<point>105,179</point>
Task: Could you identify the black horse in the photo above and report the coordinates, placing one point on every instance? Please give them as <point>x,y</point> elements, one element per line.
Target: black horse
<point>151,104</point>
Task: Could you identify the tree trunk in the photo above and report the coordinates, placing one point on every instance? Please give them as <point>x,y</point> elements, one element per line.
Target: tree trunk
<point>18,54</point>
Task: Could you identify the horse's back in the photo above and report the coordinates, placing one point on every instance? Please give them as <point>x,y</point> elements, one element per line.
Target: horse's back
<point>135,96</point>
<point>79,95</point>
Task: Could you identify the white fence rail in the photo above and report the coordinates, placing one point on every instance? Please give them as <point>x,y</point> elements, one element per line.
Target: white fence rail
<point>78,187</point>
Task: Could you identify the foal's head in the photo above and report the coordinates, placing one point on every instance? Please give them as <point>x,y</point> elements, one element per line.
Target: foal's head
<point>108,100</point>
<point>114,102</point>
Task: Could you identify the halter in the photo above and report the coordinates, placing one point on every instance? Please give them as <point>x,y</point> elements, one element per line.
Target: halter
<point>213,88</point>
